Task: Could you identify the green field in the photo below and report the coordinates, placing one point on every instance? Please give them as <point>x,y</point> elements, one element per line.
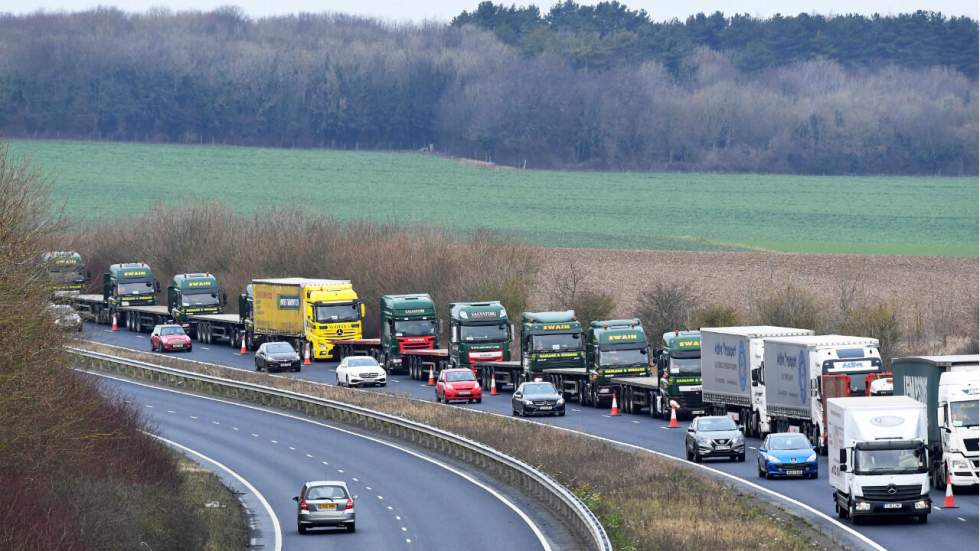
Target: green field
<point>872,215</point>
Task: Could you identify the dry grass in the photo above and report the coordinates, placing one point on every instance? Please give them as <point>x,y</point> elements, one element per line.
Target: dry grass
<point>216,506</point>
<point>646,502</point>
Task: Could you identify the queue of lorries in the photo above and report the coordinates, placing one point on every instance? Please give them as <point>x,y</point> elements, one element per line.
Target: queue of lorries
<point>889,435</point>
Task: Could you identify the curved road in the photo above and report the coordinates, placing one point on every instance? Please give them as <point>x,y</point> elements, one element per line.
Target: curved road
<point>948,529</point>
<point>405,501</point>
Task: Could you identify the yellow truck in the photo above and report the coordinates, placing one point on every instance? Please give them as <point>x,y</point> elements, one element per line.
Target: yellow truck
<point>304,311</point>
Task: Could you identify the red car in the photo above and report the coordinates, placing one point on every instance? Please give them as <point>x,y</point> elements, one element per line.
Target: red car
<point>169,338</point>
<point>458,385</point>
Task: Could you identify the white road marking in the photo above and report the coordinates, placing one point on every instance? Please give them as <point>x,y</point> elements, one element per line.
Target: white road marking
<point>234,428</point>
<point>310,456</point>
<point>753,447</point>
<point>936,508</point>
<point>408,540</point>
<point>171,411</point>
<point>381,497</point>
<point>277,529</point>
<point>149,406</point>
<point>292,448</point>
<point>274,441</point>
<point>635,422</point>
<point>573,409</point>
<point>205,348</point>
<point>255,435</point>
<point>389,507</point>
<point>215,423</point>
<point>404,529</point>
<point>340,470</point>
<point>396,516</point>
<point>545,545</point>
<point>324,462</point>
<point>194,417</point>
<point>606,416</point>
<point>354,479</point>
<point>961,519</point>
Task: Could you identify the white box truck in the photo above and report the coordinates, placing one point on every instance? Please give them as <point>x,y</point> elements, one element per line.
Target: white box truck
<point>731,365</point>
<point>802,373</point>
<point>949,386</point>
<point>878,457</point>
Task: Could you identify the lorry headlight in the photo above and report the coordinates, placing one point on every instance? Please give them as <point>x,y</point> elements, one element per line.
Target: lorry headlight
<point>862,506</point>
<point>125,303</point>
<point>960,465</point>
<point>922,504</point>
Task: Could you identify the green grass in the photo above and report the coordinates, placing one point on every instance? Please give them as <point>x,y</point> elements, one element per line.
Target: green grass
<point>819,214</point>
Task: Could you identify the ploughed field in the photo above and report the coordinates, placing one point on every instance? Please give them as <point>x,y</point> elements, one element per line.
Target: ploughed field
<point>931,216</point>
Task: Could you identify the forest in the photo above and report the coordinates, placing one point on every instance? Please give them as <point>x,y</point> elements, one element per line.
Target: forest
<point>580,87</point>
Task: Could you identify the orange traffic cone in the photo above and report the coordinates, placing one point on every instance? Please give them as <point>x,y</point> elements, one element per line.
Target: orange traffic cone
<point>614,411</point>
<point>949,503</point>
<point>243,350</point>
<point>306,355</point>
<point>673,415</point>
<point>493,385</point>
<point>432,376</point>
<point>115,322</point>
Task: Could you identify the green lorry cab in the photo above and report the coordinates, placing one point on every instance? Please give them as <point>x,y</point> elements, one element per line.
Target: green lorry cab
<point>679,372</point>
<point>479,332</point>
<point>551,340</point>
<point>617,348</point>
<point>129,284</point>
<point>66,271</point>
<point>408,322</point>
<point>196,293</point>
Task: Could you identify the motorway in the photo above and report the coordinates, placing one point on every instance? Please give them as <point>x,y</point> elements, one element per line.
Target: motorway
<point>404,499</point>
<point>947,529</point>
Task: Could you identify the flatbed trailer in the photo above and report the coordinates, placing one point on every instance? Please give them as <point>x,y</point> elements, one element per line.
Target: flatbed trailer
<point>419,362</point>
<point>212,328</point>
<point>358,347</point>
<point>637,393</point>
<point>504,373</point>
<point>134,318</point>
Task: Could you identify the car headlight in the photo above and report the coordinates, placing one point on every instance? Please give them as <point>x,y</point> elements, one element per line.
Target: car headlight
<point>560,401</point>
<point>703,440</point>
<point>738,438</point>
<point>812,457</point>
<point>771,458</point>
<point>449,386</point>
<point>528,403</point>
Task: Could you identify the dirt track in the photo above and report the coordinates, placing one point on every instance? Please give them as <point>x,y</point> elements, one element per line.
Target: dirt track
<point>923,283</point>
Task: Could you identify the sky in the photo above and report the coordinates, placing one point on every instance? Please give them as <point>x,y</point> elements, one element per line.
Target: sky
<point>444,10</point>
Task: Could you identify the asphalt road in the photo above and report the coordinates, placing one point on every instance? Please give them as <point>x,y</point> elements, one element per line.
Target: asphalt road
<point>947,529</point>
<point>404,501</point>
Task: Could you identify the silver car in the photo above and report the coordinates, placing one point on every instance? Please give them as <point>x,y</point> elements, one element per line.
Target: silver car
<point>714,436</point>
<point>324,503</point>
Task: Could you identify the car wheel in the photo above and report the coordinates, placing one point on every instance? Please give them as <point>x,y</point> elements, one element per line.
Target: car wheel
<point>759,471</point>
<point>740,458</point>
<point>479,400</point>
<point>513,412</point>
<point>438,399</point>
<point>382,385</point>
<point>687,453</point>
<point>923,519</point>
<point>301,529</point>
<point>351,527</point>
<point>297,368</point>
<point>697,457</point>
<point>841,513</point>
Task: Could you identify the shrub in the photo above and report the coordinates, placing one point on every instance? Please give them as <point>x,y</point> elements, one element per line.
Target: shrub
<point>716,315</point>
<point>790,306</point>
<point>667,306</point>
<point>591,305</point>
<point>878,321</point>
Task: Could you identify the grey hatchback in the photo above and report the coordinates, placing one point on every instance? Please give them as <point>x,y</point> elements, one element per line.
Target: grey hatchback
<point>324,503</point>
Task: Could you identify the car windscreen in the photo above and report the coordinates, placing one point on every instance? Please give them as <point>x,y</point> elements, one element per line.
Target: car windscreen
<point>539,388</point>
<point>788,442</point>
<point>557,341</point>
<point>415,328</point>
<point>361,362</point>
<point>135,288</point>
<point>330,313</point>
<point>716,424</point>
<point>279,348</point>
<point>473,333</point>
<point>326,492</point>
<point>171,331</point>
<point>890,461</point>
<point>457,376</point>
<point>622,357</point>
<point>965,414</point>
<point>685,366</point>
<point>200,299</point>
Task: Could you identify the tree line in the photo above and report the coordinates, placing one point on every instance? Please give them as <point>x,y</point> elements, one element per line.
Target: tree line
<point>344,82</point>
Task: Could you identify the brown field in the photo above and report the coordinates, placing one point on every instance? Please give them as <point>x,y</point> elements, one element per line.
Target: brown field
<point>941,290</point>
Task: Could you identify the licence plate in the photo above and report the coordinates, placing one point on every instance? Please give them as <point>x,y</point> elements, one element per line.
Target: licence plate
<point>464,393</point>
<point>326,507</point>
<point>721,447</point>
<point>286,364</point>
<point>544,407</point>
<point>794,473</point>
<point>178,346</point>
<point>893,506</point>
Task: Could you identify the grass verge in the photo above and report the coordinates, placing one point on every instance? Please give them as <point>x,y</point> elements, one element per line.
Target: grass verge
<point>215,505</point>
<point>645,502</point>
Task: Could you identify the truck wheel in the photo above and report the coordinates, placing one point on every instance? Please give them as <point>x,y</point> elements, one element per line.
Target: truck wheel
<point>841,512</point>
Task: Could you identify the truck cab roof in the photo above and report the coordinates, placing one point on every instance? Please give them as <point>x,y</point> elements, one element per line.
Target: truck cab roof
<point>566,316</point>
<point>195,281</point>
<point>302,281</point>
<point>490,311</point>
<point>682,340</point>
<point>826,341</point>
<point>418,304</point>
<point>758,331</point>
<point>130,270</point>
<point>617,332</point>
<point>956,360</point>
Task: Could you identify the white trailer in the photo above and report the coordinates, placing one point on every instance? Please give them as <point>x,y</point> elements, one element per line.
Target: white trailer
<point>801,373</point>
<point>878,457</point>
<point>731,365</point>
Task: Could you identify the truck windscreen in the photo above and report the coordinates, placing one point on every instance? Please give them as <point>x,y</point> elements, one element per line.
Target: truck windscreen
<point>134,288</point>
<point>332,313</point>
<point>415,328</point>
<point>200,299</point>
<point>557,341</point>
<point>890,461</point>
<point>965,414</point>
<point>857,370</point>
<point>484,333</point>
<point>614,357</point>
<point>685,366</point>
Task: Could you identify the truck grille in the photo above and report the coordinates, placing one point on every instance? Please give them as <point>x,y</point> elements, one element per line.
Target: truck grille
<point>892,492</point>
<point>971,444</point>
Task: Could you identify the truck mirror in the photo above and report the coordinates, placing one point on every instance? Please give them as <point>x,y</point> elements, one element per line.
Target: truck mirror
<point>843,467</point>
<point>363,311</point>
<point>224,299</point>
<point>156,286</point>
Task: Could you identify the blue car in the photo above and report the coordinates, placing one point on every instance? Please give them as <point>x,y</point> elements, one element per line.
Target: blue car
<point>787,454</point>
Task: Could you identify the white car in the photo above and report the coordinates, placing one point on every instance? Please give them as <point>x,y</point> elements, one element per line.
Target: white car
<point>360,371</point>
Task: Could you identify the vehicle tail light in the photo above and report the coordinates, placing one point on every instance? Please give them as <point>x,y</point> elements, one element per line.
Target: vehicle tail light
<point>302,506</point>
<point>350,504</point>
